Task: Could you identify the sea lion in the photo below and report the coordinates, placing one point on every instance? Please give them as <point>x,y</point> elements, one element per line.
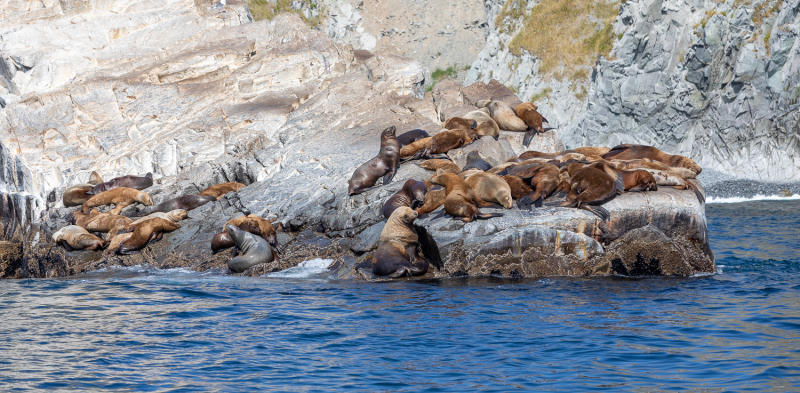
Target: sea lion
<point>638,181</point>
<point>460,123</point>
<point>221,241</point>
<point>411,150</point>
<point>116,240</point>
<point>120,196</point>
<point>186,202</point>
<point>445,141</point>
<point>259,226</point>
<point>670,178</point>
<point>461,200</point>
<point>399,248</point>
<point>130,181</point>
<point>174,216</point>
<point>474,160</point>
<point>433,199</point>
<point>491,188</point>
<point>504,115</point>
<point>437,163</point>
<point>107,222</point>
<point>253,249</point>
<point>592,151</point>
<point>527,111</point>
<point>80,218</point>
<point>219,190</point>
<point>73,237</point>
<point>519,188</point>
<point>77,194</point>
<point>685,166</point>
<point>383,165</point>
<point>145,233</point>
<point>412,136</point>
<point>486,126</point>
<point>411,195</point>
<point>544,182</point>
<point>590,187</point>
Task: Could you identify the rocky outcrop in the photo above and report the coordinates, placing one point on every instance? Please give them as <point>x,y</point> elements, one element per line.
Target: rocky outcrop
<point>291,114</point>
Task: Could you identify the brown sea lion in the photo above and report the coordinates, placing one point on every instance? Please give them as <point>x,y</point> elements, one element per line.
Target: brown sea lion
<point>592,151</point>
<point>475,161</point>
<point>590,187</point>
<point>437,163</point>
<point>121,197</point>
<point>519,188</point>
<point>544,183</point>
<point>445,141</point>
<point>77,194</point>
<point>145,233</point>
<point>412,136</point>
<point>461,200</point>
<point>80,218</point>
<point>633,152</point>
<point>219,190</point>
<point>411,195</point>
<point>383,165</point>
<point>638,181</point>
<point>186,202</point>
<point>460,123</point>
<point>433,199</point>
<point>504,115</point>
<point>107,222</point>
<point>399,251</point>
<point>491,188</point>
<point>528,112</point>
<point>116,240</point>
<point>486,126</point>
<point>411,150</point>
<point>73,237</point>
<point>174,216</point>
<point>130,181</point>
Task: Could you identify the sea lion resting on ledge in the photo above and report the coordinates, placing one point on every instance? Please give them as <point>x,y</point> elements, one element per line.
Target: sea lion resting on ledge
<point>251,223</point>
<point>461,200</point>
<point>254,249</point>
<point>684,166</point>
<point>79,193</point>
<point>399,248</point>
<point>219,190</point>
<point>73,237</point>
<point>145,233</point>
<point>186,202</point>
<point>120,197</point>
<point>130,181</point>
<point>589,188</point>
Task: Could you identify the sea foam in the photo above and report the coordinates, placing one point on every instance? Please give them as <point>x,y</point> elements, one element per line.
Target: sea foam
<point>305,269</point>
<point>757,197</point>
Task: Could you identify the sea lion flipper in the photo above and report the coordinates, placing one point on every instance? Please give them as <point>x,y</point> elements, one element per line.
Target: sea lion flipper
<point>539,201</point>
<point>597,210</point>
<point>428,246</point>
<point>526,141</point>
<point>388,178</point>
<point>561,204</point>
<point>401,272</point>
<point>485,216</point>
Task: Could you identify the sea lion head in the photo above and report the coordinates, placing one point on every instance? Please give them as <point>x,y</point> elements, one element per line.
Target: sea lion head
<point>574,167</point>
<point>178,215</point>
<point>644,182</point>
<point>405,214</point>
<point>416,191</point>
<point>389,133</point>
<point>686,162</point>
<point>444,179</point>
<point>144,198</point>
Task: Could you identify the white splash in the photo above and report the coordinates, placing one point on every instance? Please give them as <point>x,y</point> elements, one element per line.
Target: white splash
<point>757,197</point>
<point>305,269</point>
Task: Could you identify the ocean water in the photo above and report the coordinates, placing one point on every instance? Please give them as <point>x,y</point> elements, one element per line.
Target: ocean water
<point>140,329</point>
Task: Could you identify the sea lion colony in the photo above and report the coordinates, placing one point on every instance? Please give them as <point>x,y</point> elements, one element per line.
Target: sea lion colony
<point>583,178</point>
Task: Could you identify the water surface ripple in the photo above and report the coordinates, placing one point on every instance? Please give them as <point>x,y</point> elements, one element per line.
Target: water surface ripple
<point>146,330</point>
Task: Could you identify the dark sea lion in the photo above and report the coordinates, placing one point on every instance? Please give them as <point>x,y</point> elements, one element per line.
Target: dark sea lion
<point>145,233</point>
<point>221,241</point>
<point>120,197</point>
<point>519,188</point>
<point>383,165</point>
<point>544,182</point>
<point>219,190</point>
<point>73,237</point>
<point>590,187</point>
<point>474,160</point>
<point>253,249</point>
<point>438,163</point>
<point>186,202</point>
<point>638,181</point>
<point>491,188</point>
<point>399,250</point>
<point>411,195</point>
<point>633,152</point>
<point>259,226</point>
<point>486,126</point>
<point>528,112</point>
<point>412,136</point>
<point>130,181</point>
<point>460,199</point>
<point>504,115</point>
<point>433,199</point>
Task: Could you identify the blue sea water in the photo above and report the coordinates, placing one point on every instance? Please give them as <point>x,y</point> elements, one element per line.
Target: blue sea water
<point>147,330</point>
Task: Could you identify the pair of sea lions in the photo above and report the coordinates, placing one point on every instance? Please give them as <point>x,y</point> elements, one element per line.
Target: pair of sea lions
<point>77,194</point>
<point>383,165</point>
<point>219,190</point>
<point>253,249</point>
<point>412,195</point>
<point>460,199</point>
<point>145,230</point>
<point>120,197</point>
<point>250,223</point>
<point>404,249</point>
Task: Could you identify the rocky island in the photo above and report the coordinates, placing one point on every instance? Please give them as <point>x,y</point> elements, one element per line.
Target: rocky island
<point>200,94</point>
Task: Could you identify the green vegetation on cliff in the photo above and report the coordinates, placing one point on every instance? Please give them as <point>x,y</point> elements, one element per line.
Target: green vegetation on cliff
<point>267,9</point>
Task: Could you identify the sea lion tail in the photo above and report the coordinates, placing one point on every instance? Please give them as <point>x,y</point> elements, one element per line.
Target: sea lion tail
<point>526,141</point>
<point>597,210</point>
<point>486,216</point>
<point>429,248</point>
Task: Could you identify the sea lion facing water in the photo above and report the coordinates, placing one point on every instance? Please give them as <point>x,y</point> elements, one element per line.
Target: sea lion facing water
<point>412,136</point>
<point>461,200</point>
<point>399,248</point>
<point>186,202</point>
<point>145,233</point>
<point>411,195</point>
<point>121,197</point>
<point>73,237</point>
<point>130,181</point>
<point>219,190</point>
<point>685,166</point>
<point>253,249</point>
<point>383,165</point>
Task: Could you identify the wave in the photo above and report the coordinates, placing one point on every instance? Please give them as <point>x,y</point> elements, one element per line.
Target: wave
<point>305,269</point>
<point>757,197</point>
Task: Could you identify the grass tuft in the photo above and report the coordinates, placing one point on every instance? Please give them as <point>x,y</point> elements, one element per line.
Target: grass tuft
<point>545,93</point>
<point>268,9</point>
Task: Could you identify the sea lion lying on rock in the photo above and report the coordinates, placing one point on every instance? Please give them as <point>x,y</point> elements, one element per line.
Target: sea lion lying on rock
<point>73,237</point>
<point>219,190</point>
<point>399,252</point>
<point>186,202</point>
<point>412,136</point>
<point>130,181</point>
<point>253,249</point>
<point>438,163</point>
<point>685,166</point>
<point>504,115</point>
<point>145,233</point>
<point>383,165</point>
<point>491,188</point>
<point>79,193</point>
<point>475,161</point>
<point>433,199</point>
<point>461,200</point>
<point>411,195</point>
<point>121,197</point>
<point>589,188</point>
<point>251,223</point>
<point>485,125</point>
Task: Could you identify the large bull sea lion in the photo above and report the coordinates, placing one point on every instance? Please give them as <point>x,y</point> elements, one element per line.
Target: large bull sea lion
<point>411,195</point>
<point>121,197</point>
<point>589,188</point>
<point>383,165</point>
<point>399,251</point>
